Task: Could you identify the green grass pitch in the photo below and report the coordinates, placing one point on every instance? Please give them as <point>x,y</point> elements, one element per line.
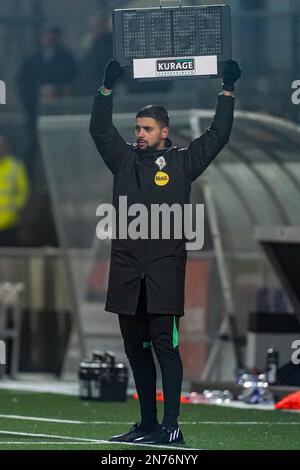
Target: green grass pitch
<point>48,421</point>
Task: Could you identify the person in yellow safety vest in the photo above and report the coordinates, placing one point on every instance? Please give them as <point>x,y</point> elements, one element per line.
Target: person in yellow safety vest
<point>14,190</point>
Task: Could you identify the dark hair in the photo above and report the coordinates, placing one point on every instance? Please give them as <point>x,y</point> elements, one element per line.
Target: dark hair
<point>156,112</point>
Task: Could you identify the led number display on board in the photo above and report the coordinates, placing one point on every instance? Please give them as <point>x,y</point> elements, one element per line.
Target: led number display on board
<point>173,42</point>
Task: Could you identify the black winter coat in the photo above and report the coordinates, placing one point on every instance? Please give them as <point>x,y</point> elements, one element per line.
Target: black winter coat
<point>161,262</point>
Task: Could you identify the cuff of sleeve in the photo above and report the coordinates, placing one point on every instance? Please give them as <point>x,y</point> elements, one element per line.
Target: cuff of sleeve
<point>226,96</point>
<point>101,90</point>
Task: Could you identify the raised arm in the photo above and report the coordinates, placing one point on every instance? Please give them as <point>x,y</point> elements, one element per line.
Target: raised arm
<point>107,139</point>
<point>205,148</point>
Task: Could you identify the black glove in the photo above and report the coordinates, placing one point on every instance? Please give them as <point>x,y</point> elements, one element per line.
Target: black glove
<point>113,71</point>
<point>231,73</point>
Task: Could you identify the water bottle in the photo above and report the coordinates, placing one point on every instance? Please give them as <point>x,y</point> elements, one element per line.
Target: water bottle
<point>272,365</point>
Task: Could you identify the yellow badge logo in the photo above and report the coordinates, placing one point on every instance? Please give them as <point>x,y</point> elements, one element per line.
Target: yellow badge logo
<point>161,178</point>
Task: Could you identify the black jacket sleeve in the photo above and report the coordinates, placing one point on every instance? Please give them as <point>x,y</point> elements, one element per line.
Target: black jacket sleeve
<point>108,141</point>
<point>202,150</point>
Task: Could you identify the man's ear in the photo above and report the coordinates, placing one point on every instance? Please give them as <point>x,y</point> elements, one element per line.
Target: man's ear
<point>165,132</point>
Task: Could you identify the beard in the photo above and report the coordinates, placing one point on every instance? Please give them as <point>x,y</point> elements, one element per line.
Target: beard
<point>145,147</point>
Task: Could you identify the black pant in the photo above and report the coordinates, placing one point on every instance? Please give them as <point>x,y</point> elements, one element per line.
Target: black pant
<point>138,332</point>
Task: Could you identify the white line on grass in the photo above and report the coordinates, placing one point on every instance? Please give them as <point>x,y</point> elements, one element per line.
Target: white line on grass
<point>56,443</point>
<point>93,441</point>
<point>62,421</point>
<point>117,423</point>
<point>242,422</point>
<point>55,436</point>
<point>46,420</point>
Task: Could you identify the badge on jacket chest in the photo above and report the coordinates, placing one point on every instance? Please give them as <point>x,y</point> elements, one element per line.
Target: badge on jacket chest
<point>161,178</point>
<point>160,162</point>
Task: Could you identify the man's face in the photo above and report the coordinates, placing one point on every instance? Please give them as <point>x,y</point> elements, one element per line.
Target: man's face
<point>150,134</point>
<point>97,27</point>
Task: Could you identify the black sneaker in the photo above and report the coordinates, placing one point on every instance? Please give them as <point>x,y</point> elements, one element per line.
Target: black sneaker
<point>162,435</point>
<point>135,432</point>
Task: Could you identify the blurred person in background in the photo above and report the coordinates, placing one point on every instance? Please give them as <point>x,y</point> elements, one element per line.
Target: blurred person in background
<point>44,76</point>
<point>50,72</point>
<point>97,49</point>
<point>14,189</point>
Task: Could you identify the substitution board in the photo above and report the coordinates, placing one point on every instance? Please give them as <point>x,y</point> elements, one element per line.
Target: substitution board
<point>173,42</point>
